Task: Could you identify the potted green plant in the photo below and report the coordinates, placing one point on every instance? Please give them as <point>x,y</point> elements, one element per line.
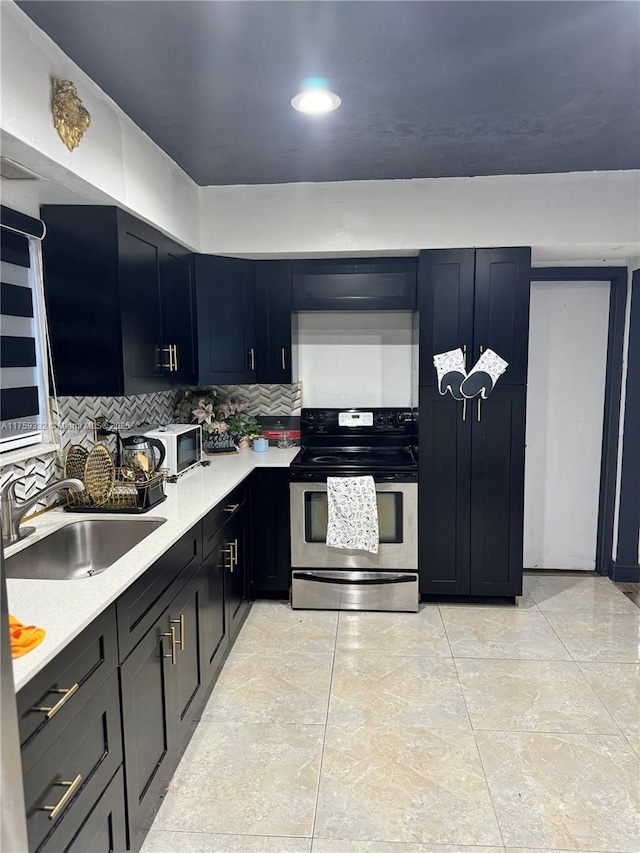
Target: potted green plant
<point>241,426</point>
<point>201,405</point>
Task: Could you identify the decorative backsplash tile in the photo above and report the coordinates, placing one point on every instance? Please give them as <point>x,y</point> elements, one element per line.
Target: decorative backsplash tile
<point>75,415</point>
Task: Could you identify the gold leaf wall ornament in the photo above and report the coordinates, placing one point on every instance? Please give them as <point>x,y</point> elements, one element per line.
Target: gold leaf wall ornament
<point>70,117</point>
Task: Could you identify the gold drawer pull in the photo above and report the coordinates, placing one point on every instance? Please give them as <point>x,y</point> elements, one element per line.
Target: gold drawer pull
<point>174,654</point>
<point>64,799</point>
<point>229,551</point>
<point>235,552</point>
<point>66,695</point>
<point>231,507</point>
<point>282,355</point>
<point>180,622</point>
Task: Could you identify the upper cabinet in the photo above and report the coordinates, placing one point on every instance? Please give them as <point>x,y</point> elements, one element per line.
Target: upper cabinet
<point>475,299</point>
<point>120,302</point>
<point>244,320</point>
<point>350,284</point>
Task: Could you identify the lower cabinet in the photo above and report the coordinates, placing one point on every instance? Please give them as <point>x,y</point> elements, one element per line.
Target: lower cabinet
<point>270,533</point>
<point>238,557</point>
<point>104,830</point>
<point>215,635</point>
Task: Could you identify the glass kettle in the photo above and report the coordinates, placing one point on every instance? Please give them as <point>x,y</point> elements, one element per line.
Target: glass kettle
<point>142,456</point>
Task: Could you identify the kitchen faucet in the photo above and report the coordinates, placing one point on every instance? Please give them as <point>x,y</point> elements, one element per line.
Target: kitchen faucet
<point>13,512</point>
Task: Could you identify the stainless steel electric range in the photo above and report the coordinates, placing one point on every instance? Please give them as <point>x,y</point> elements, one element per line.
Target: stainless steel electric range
<point>355,442</point>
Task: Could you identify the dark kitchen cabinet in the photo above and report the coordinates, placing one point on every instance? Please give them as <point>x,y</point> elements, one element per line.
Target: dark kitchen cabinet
<point>471,493</point>
<point>226,297</point>
<point>104,830</point>
<point>214,633</point>
<point>120,303</point>
<point>475,300</point>
<point>146,686</point>
<point>471,461</point>
<point>238,564</point>
<point>270,532</point>
<point>273,322</point>
<point>497,491</point>
<point>354,284</point>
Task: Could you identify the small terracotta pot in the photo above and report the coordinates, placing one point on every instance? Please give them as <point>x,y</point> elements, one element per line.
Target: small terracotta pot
<point>244,444</point>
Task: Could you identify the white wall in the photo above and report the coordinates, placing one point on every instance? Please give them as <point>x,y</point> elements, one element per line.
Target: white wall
<point>577,216</point>
<point>565,401</point>
<point>354,359</point>
<point>115,157</point>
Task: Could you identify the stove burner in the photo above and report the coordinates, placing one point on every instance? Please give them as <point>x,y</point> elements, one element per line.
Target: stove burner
<point>327,460</point>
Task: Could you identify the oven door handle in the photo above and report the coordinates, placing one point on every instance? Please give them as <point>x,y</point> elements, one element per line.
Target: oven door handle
<point>389,577</point>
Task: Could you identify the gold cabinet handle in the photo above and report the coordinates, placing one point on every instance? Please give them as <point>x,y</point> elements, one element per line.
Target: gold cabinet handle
<point>283,358</point>
<point>235,551</point>
<point>169,351</point>
<point>64,799</point>
<point>66,695</point>
<point>464,409</point>
<point>229,551</point>
<point>479,411</point>
<point>175,358</point>
<point>231,507</point>
<point>180,622</point>
<point>481,349</point>
<point>174,654</point>
<point>252,358</point>
<point>464,353</point>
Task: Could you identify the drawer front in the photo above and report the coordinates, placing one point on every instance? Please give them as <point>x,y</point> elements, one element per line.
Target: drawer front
<point>104,829</point>
<point>85,662</point>
<point>64,785</point>
<point>218,517</point>
<point>141,605</point>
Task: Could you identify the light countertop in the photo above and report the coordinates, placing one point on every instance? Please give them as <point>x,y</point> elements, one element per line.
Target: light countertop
<point>65,607</point>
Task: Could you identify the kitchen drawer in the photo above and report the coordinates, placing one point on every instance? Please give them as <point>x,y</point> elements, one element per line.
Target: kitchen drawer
<point>85,662</point>
<point>141,605</point>
<point>219,515</point>
<point>87,753</point>
<point>104,830</point>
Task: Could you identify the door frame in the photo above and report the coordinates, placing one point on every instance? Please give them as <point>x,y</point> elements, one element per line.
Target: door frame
<point>617,277</point>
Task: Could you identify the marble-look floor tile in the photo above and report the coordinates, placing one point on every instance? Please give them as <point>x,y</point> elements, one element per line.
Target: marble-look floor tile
<point>541,850</point>
<point>563,790</point>
<point>256,687</point>
<point>272,626</point>
<point>576,594</point>
<point>419,633</point>
<point>499,633</point>
<point>378,690</point>
<point>613,637</point>
<point>404,784</point>
<point>245,778</point>
<point>159,841</point>
<point>618,686</point>
<point>341,845</point>
<point>518,695</point>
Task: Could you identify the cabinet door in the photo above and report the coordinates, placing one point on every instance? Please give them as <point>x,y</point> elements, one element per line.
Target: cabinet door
<point>226,320</point>
<point>355,284</point>
<point>185,613</point>
<point>497,491</point>
<point>104,831</point>
<point>270,531</point>
<point>237,575</point>
<point>273,322</point>
<point>146,682</point>
<point>501,313</point>
<point>179,314</point>
<point>139,259</point>
<point>445,304</point>
<point>444,496</point>
<point>213,625</point>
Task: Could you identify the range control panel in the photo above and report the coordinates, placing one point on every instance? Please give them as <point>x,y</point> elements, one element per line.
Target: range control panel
<point>356,421</point>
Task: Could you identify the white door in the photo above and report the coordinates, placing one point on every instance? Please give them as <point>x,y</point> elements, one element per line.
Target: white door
<point>565,403</point>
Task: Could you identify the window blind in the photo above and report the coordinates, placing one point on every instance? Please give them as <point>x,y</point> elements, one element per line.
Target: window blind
<point>22,360</point>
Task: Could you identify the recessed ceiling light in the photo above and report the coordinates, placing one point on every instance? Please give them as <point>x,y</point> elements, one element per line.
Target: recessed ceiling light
<point>315,98</point>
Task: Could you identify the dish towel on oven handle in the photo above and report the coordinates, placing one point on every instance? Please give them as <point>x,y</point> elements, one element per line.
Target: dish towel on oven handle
<point>352,513</point>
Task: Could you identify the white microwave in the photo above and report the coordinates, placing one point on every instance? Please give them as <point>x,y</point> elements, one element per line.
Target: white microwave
<point>182,444</point>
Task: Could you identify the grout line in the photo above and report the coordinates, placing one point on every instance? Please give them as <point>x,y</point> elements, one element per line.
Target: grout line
<point>324,738</point>
<point>473,735</point>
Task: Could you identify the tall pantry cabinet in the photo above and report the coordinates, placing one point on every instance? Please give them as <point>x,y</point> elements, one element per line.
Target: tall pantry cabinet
<point>471,453</point>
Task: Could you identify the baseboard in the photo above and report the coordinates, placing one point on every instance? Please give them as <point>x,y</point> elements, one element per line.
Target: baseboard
<point>624,573</point>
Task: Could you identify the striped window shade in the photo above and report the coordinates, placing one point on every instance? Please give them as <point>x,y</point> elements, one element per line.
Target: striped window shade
<point>23,381</point>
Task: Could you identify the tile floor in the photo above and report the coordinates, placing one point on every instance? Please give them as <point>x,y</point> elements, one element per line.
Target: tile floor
<point>460,728</point>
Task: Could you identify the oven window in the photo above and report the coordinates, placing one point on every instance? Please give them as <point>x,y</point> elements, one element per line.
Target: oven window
<point>187,450</point>
<point>389,516</point>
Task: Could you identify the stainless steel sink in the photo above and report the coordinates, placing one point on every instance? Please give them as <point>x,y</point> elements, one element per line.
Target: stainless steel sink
<point>80,549</point>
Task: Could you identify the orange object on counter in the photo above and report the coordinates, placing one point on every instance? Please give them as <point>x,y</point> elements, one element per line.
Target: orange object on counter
<point>24,637</point>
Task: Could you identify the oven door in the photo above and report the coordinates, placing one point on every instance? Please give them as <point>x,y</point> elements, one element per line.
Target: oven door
<point>397,521</point>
